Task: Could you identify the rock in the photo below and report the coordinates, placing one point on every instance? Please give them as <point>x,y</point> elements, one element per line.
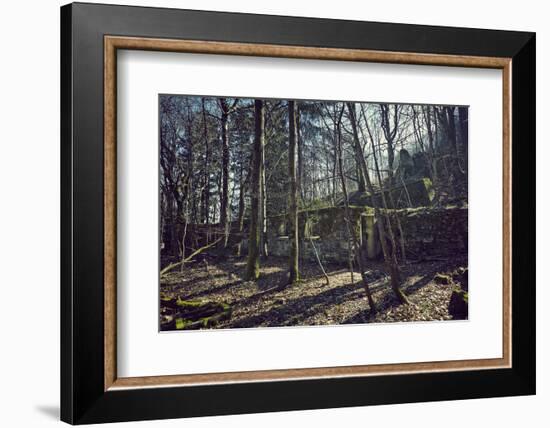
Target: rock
<point>458,304</point>
<point>461,276</point>
<point>430,231</point>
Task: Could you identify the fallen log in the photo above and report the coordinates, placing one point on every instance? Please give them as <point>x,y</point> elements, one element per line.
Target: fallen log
<point>191,315</point>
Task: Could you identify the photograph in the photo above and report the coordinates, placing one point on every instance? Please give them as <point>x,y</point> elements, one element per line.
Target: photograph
<point>277,212</point>
<point>343,204</point>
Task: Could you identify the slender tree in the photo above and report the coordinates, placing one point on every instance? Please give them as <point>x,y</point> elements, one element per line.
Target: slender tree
<point>463,126</point>
<point>300,150</point>
<point>263,205</point>
<point>385,227</point>
<point>427,114</point>
<point>226,109</point>
<point>390,132</point>
<point>358,249</point>
<point>243,184</point>
<point>386,203</point>
<point>205,214</point>
<point>253,263</point>
<point>294,274</point>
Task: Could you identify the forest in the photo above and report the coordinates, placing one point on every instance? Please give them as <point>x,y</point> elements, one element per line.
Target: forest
<point>296,212</point>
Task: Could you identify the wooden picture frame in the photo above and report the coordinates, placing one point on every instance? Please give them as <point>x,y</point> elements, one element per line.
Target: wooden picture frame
<point>91,390</point>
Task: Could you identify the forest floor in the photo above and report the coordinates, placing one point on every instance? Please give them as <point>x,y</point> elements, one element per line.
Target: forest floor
<point>269,303</point>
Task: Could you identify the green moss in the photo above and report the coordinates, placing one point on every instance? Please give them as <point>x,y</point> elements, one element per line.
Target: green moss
<point>194,314</point>
<point>429,187</point>
<point>189,303</point>
<point>181,323</point>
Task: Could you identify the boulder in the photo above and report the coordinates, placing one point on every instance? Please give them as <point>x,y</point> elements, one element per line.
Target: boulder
<point>460,276</point>
<point>458,304</point>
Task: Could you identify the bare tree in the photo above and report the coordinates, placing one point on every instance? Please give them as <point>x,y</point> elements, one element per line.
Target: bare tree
<point>263,205</point>
<point>390,128</point>
<point>243,185</point>
<point>253,263</point>
<point>391,259</point>
<point>350,224</point>
<point>205,199</point>
<point>294,274</point>
<point>385,227</point>
<point>463,126</point>
<point>226,109</point>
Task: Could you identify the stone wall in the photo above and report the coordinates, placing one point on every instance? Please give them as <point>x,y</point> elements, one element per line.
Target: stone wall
<point>435,231</point>
<point>325,230</point>
<point>428,232</point>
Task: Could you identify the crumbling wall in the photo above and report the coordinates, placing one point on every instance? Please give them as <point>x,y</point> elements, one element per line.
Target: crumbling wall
<point>326,230</point>
<point>439,231</point>
<point>412,192</point>
<point>428,232</point>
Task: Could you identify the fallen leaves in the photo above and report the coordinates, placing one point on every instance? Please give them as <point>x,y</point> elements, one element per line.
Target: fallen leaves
<point>269,303</point>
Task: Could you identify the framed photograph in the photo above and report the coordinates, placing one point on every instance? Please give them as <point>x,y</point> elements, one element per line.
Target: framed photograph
<point>266,213</point>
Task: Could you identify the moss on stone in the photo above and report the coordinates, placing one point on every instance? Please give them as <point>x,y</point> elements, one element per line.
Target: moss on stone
<point>429,187</point>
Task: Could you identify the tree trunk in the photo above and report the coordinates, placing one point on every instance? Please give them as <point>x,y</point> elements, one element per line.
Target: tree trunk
<point>390,259</point>
<point>456,168</point>
<point>206,178</point>
<point>335,170</point>
<point>294,274</point>
<point>253,262</point>
<point>240,219</point>
<point>357,248</point>
<point>300,177</point>
<point>226,110</point>
<point>188,186</point>
<point>385,228</point>
<point>451,129</point>
<point>361,187</point>
<point>432,155</point>
<point>225,174</point>
<point>392,203</point>
<point>389,135</point>
<point>263,206</point>
<point>183,238</point>
<point>337,173</point>
<point>463,126</point>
